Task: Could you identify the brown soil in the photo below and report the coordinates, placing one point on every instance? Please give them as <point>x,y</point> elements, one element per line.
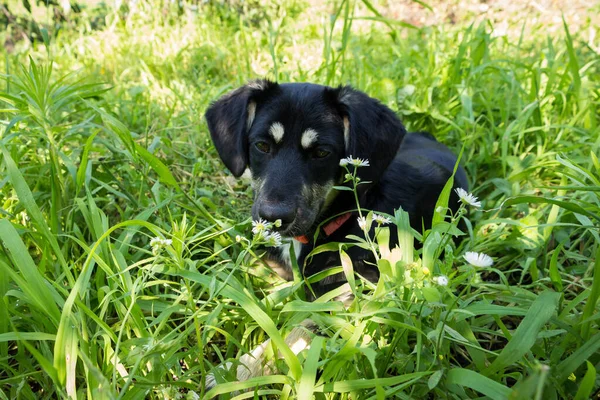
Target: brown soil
<point>507,16</point>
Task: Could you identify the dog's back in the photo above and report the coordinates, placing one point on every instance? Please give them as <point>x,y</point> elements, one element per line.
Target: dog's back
<point>415,179</point>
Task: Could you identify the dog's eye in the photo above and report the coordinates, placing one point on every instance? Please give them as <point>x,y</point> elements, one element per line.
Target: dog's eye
<point>320,153</point>
<point>263,146</point>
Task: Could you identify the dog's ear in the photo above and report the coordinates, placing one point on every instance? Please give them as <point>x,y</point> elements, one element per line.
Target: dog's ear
<point>230,118</point>
<point>371,130</point>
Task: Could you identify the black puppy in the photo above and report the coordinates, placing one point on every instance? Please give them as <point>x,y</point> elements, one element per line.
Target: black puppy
<point>292,137</point>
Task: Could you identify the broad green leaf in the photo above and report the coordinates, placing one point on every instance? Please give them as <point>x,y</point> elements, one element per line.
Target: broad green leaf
<point>553,270</point>
<point>348,269</point>
<point>161,169</point>
<point>406,239</point>
<point>526,334</point>
<point>477,382</point>
<point>434,379</point>
<point>587,383</point>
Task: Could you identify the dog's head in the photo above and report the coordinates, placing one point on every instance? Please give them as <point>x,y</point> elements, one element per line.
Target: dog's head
<point>292,137</point>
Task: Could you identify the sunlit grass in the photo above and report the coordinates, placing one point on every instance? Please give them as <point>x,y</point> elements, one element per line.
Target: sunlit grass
<point>104,149</point>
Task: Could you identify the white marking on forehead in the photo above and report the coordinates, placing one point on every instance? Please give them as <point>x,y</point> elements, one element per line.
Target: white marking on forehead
<point>346,132</point>
<point>309,136</point>
<point>276,130</point>
<point>251,114</point>
<point>257,85</point>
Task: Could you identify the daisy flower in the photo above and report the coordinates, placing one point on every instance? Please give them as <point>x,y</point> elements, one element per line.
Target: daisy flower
<point>478,259</point>
<point>159,243</point>
<point>362,223</point>
<point>273,239</point>
<point>381,220</point>
<point>260,225</point>
<point>357,162</point>
<point>467,197</point>
<point>440,280</point>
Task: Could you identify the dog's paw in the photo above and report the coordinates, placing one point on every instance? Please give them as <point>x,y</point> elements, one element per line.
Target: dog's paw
<point>211,380</point>
<point>250,365</point>
<point>253,364</point>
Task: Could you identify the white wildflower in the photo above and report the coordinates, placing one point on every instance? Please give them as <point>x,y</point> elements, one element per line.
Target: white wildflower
<point>357,162</point>
<point>467,197</point>
<point>440,280</point>
<point>362,223</point>
<point>260,226</point>
<point>273,239</point>
<point>381,220</point>
<point>158,244</point>
<point>478,259</point>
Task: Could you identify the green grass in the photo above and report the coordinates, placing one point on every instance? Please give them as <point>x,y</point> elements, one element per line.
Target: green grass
<point>103,147</point>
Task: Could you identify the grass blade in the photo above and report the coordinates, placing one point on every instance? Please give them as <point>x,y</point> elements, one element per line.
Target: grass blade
<point>161,169</point>
<point>541,200</point>
<point>590,305</point>
<point>582,354</point>
<point>587,383</point>
<point>525,336</point>
<point>309,374</point>
<point>478,382</point>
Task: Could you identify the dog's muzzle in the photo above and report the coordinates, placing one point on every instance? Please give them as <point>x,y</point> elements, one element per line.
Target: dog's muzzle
<point>272,211</point>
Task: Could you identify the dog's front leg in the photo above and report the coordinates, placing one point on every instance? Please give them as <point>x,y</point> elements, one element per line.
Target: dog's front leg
<point>254,363</point>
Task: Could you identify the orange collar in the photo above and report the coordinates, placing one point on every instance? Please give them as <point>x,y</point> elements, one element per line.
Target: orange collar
<point>329,228</point>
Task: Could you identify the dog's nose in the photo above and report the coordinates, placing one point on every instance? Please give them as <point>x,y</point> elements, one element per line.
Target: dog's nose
<point>274,211</point>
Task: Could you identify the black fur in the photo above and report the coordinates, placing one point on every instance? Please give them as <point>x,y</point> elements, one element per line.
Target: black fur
<point>406,170</point>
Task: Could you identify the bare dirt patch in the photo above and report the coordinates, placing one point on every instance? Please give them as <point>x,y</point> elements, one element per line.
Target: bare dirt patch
<point>508,14</point>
